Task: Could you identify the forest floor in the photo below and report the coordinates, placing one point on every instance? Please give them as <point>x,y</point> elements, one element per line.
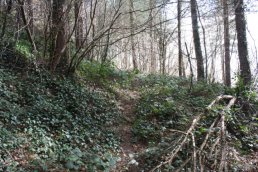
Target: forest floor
<point>127,101</point>
<point>54,124</point>
<point>131,149</point>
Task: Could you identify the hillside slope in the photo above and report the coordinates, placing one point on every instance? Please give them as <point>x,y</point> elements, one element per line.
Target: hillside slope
<point>123,123</point>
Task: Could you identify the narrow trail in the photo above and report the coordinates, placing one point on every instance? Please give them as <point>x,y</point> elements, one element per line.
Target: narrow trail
<point>127,102</point>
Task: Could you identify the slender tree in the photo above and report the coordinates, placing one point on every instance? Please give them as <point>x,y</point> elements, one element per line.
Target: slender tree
<point>180,54</point>
<point>132,31</point>
<point>245,71</point>
<point>197,43</point>
<point>31,16</point>
<point>8,7</point>
<point>226,44</point>
<point>204,43</point>
<point>162,48</point>
<point>152,54</point>
<point>78,24</point>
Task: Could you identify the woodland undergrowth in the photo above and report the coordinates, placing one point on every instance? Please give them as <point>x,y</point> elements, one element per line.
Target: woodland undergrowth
<point>58,123</point>
<point>207,127</point>
<point>53,123</point>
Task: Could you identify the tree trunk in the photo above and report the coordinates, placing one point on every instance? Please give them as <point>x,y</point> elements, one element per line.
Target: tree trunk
<point>31,16</point>
<point>245,71</point>
<point>226,44</point>
<point>197,43</point>
<point>152,54</point>
<point>59,38</point>
<point>7,11</point>
<point>162,50</point>
<point>180,55</point>
<point>204,44</point>
<point>164,58</point>
<point>191,67</point>
<point>145,57</point>
<point>1,6</point>
<point>125,54</point>
<point>79,24</point>
<point>132,31</point>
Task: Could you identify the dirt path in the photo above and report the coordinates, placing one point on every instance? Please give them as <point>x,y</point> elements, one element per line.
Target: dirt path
<point>127,103</point>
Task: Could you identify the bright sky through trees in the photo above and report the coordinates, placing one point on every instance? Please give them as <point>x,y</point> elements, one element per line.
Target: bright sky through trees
<point>252,36</point>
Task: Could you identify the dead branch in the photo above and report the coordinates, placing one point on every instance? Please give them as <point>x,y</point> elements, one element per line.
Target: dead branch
<point>174,153</point>
<point>220,120</point>
<point>218,99</point>
<point>194,153</point>
<point>223,137</point>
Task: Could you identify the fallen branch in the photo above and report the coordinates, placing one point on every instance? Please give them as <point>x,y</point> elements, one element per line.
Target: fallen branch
<point>218,99</point>
<point>171,158</point>
<point>194,153</point>
<point>197,153</point>
<point>223,137</point>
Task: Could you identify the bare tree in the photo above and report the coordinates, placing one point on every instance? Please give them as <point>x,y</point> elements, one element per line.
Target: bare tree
<point>7,10</point>
<point>226,44</point>
<point>131,7</point>
<point>245,71</point>
<point>78,23</point>
<point>204,43</point>
<point>58,33</point>
<point>180,54</point>
<point>31,16</point>
<point>152,54</point>
<point>197,43</point>
<point>162,48</point>
<point>93,36</point>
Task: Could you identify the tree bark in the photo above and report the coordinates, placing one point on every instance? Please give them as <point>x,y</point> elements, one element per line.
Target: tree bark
<point>162,52</point>
<point>226,44</point>
<point>191,67</point>
<point>132,31</point>
<point>152,54</point>
<point>197,43</point>
<point>31,16</point>
<point>145,57</point>
<point>7,11</point>
<point>180,55</point>
<point>59,38</point>
<point>79,24</point>
<point>245,72</point>
<point>204,44</point>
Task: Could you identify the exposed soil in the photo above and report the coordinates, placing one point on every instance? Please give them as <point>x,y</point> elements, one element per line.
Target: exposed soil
<point>127,103</point>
